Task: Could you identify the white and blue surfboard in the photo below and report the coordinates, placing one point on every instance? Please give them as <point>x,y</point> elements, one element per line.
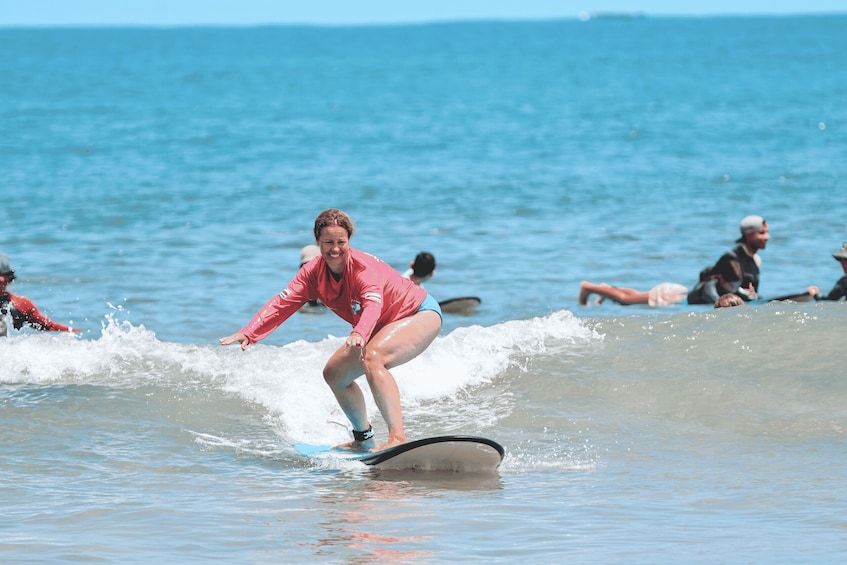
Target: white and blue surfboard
<point>441,453</point>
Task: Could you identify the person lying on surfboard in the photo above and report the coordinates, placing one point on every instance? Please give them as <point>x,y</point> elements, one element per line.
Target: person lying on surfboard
<point>393,322</point>
<point>663,294</point>
<point>21,308</point>
<point>737,271</point>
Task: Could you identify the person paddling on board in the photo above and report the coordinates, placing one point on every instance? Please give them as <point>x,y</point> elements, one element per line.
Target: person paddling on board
<point>839,291</point>
<point>663,294</point>
<point>21,308</point>
<point>737,271</point>
<point>393,322</point>
<point>422,269</point>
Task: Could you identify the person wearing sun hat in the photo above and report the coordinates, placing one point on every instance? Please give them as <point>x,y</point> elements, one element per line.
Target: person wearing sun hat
<point>21,308</point>
<point>839,291</point>
<point>737,271</point>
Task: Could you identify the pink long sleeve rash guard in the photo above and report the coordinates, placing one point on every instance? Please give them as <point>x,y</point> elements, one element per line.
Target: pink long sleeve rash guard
<point>369,296</point>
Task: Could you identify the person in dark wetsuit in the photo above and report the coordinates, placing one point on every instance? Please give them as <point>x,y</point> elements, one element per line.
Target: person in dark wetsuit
<point>736,272</point>
<point>839,291</point>
<point>21,308</point>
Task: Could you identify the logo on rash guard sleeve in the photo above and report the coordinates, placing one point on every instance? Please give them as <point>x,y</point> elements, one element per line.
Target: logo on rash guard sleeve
<point>284,294</point>
<point>373,296</point>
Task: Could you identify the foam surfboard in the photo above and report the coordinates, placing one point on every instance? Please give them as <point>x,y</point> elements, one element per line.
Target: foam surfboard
<point>464,305</point>
<point>440,453</point>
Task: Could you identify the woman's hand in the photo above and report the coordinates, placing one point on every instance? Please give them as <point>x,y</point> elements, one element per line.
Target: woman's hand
<point>236,337</point>
<point>355,340</point>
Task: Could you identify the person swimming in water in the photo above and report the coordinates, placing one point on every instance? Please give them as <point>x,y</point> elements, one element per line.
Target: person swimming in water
<point>737,271</point>
<point>421,269</point>
<point>663,294</point>
<point>21,308</point>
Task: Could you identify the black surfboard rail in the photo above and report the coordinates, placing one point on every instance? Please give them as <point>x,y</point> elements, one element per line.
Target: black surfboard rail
<point>386,454</point>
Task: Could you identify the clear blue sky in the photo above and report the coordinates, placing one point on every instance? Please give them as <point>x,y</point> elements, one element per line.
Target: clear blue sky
<point>248,12</point>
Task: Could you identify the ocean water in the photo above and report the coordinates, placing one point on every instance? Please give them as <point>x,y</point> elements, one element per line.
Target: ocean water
<point>158,185</point>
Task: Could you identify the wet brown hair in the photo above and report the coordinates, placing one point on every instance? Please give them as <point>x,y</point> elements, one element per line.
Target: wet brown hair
<point>334,217</point>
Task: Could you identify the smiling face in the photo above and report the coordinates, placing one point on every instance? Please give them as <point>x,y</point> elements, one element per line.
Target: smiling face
<point>333,230</point>
<point>334,244</point>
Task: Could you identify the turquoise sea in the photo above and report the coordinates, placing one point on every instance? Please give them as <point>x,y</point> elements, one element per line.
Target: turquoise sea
<point>158,184</point>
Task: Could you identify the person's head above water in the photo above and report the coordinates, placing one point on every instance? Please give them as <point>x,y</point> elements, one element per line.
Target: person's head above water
<point>423,265</point>
<point>751,224</point>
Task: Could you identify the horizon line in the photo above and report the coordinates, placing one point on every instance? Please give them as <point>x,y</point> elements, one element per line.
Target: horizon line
<point>581,17</point>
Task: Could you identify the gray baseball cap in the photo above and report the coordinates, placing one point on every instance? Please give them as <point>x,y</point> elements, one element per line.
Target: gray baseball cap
<point>750,224</point>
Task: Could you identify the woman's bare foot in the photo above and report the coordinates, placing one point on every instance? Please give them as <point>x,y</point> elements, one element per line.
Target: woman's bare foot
<point>367,445</point>
<point>392,441</point>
